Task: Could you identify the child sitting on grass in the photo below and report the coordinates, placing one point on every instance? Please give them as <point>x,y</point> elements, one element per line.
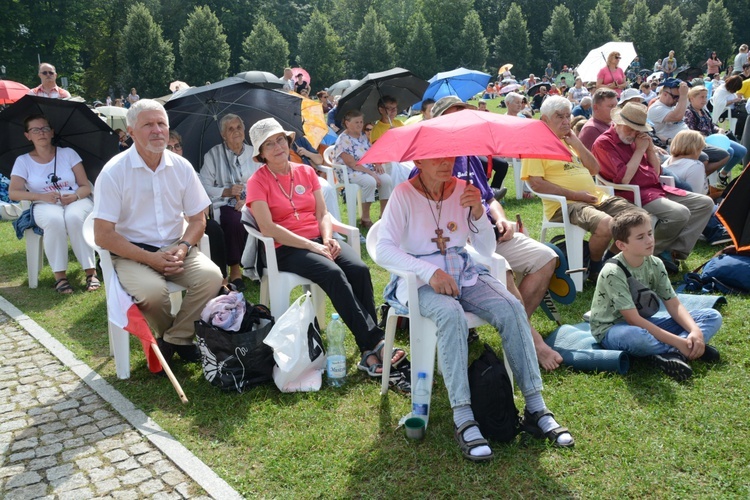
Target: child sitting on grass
<point>670,341</point>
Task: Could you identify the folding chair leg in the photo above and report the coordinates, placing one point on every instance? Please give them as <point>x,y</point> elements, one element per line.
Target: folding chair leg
<point>390,334</point>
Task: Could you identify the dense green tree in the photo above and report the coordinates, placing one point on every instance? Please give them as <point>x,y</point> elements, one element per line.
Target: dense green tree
<point>396,15</point>
<point>203,48</point>
<point>347,17</point>
<point>712,31</point>
<point>445,17</point>
<point>237,18</point>
<point>472,45</point>
<point>738,10</point>
<point>418,54</point>
<point>597,28</point>
<point>559,39</point>
<point>538,15</point>
<point>264,49</point>
<point>288,16</point>
<point>512,44</point>
<point>490,15</point>
<point>618,11</point>
<point>580,11</point>
<point>146,59</point>
<point>321,52</point>
<point>101,72</point>
<point>669,33</point>
<point>373,50</point>
<point>639,29</point>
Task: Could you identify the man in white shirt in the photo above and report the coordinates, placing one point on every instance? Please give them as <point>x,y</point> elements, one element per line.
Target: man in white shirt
<point>49,88</point>
<point>142,198</point>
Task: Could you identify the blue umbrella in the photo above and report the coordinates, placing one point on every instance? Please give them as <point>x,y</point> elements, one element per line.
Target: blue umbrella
<point>461,82</point>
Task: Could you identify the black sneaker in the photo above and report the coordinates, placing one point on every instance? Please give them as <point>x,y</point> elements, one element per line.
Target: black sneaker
<point>673,364</point>
<point>721,239</point>
<point>710,355</point>
<point>473,336</point>
<point>500,193</point>
<point>188,353</point>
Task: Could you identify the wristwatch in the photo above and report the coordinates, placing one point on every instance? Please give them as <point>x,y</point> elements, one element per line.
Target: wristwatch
<point>187,244</point>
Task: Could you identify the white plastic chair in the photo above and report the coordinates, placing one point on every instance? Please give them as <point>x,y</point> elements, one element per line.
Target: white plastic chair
<point>351,190</point>
<point>422,331</point>
<point>119,339</point>
<point>515,164</point>
<point>574,235</point>
<point>276,286</point>
<point>718,111</point>
<point>34,256</point>
<point>663,179</point>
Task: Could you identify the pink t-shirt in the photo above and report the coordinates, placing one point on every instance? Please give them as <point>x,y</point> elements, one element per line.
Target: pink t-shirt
<point>605,75</point>
<point>262,186</point>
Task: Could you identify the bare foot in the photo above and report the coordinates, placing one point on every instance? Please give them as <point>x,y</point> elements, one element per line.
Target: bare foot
<point>549,359</point>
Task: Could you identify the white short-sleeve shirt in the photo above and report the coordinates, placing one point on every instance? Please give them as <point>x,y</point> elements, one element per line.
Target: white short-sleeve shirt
<point>39,176</point>
<point>147,206</point>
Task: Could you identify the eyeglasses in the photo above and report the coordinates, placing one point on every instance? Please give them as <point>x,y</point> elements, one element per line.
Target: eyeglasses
<point>368,129</point>
<point>618,57</point>
<point>40,130</point>
<point>280,142</point>
<point>174,146</point>
<point>47,73</point>
<point>676,97</point>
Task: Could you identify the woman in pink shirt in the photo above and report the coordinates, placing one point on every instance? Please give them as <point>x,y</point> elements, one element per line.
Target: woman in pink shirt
<point>611,75</point>
<point>713,65</point>
<point>287,204</point>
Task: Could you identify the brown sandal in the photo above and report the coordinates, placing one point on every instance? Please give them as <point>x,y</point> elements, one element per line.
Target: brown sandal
<point>92,283</point>
<point>62,286</point>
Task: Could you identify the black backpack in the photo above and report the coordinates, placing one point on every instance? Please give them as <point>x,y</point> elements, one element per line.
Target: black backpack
<point>492,398</point>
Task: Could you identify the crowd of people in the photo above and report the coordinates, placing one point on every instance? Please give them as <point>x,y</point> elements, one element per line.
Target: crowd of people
<point>151,208</point>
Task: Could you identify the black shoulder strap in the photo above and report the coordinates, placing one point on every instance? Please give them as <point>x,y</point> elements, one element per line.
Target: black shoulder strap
<point>620,265</point>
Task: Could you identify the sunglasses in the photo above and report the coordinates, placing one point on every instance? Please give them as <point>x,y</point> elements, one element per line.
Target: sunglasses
<point>47,73</point>
<point>176,146</point>
<point>368,129</point>
<point>676,97</point>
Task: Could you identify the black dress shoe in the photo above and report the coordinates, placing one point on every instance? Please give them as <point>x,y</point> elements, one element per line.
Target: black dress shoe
<point>499,194</point>
<point>188,353</point>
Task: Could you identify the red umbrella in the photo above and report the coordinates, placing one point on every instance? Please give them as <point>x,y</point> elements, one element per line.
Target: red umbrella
<point>11,91</point>
<point>468,132</point>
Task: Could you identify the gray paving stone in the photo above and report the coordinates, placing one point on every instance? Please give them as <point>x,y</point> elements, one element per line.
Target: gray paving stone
<point>61,471</point>
<point>77,453</point>
<point>151,487</point>
<point>173,478</point>
<point>51,427</point>
<point>128,464</point>
<point>88,463</point>
<point>150,458</point>
<point>21,455</point>
<point>73,443</point>
<point>107,485</point>
<point>24,443</point>
<point>136,476</point>
<point>140,448</point>
<point>125,495</point>
<point>93,437</point>
<point>99,414</point>
<point>69,483</point>
<point>66,405</point>
<point>77,494</point>
<point>23,479</point>
<point>42,463</point>
<point>79,420</point>
<point>68,414</point>
<point>56,437</point>
<point>13,425</point>
<point>115,429</point>
<point>101,474</point>
<point>86,429</point>
<point>108,422</point>
<point>34,491</point>
<point>10,470</point>
<point>43,451</point>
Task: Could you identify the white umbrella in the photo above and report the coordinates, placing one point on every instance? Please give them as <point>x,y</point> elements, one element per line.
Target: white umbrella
<point>597,59</point>
<point>113,115</point>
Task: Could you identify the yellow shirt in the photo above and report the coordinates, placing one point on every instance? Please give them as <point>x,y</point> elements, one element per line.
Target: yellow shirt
<point>381,128</point>
<point>745,90</point>
<point>566,174</point>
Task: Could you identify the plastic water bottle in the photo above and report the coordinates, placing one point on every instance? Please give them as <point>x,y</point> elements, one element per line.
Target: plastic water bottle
<point>336,356</point>
<point>420,398</point>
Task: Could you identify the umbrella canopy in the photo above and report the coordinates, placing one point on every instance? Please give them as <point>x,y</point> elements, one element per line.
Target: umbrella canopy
<point>305,75</point>
<point>687,74</point>
<point>399,83</point>
<point>734,212</point>
<point>461,82</point>
<point>509,88</point>
<point>313,120</point>
<point>262,79</point>
<point>339,87</point>
<point>468,132</point>
<point>178,85</point>
<point>505,67</point>
<point>195,112</point>
<point>113,115</point>
<point>534,89</point>
<point>597,59</point>
<point>11,91</point>
<point>75,126</point>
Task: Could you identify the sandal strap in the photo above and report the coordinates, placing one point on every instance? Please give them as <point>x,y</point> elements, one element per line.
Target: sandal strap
<point>534,417</point>
<point>466,425</point>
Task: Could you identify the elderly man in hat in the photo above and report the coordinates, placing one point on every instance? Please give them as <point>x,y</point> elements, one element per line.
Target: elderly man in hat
<point>627,155</point>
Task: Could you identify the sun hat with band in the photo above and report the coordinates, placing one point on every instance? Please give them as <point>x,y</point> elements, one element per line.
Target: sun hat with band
<point>632,115</point>
<point>450,101</point>
<point>262,130</point>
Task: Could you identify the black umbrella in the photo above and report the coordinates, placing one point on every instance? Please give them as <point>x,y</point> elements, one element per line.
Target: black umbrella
<point>687,74</point>
<point>262,79</point>
<point>734,212</point>
<point>195,112</point>
<point>534,89</point>
<point>398,83</point>
<point>75,126</point>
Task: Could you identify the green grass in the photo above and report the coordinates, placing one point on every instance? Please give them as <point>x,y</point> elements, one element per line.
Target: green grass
<point>637,435</point>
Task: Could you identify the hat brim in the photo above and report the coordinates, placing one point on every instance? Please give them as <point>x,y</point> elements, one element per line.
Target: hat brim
<point>459,105</point>
<point>618,119</point>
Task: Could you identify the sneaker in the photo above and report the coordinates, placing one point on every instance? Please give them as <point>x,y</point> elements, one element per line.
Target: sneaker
<point>721,238</point>
<point>710,355</point>
<point>474,336</point>
<point>673,364</point>
<point>499,194</point>
<point>723,180</point>
<point>669,264</point>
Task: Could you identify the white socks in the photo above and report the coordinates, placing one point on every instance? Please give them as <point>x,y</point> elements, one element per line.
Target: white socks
<point>462,414</point>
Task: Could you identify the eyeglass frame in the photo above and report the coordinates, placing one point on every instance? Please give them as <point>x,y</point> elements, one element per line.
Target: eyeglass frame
<point>177,145</point>
<point>48,73</point>
<point>40,130</point>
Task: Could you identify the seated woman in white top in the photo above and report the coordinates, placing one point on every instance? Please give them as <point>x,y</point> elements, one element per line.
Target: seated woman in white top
<point>352,145</point>
<point>424,230</point>
<point>686,148</point>
<point>54,180</point>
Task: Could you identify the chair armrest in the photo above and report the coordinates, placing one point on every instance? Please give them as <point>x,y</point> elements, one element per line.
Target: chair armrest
<point>636,190</point>
<point>666,180</point>
<point>495,263</point>
<point>351,233</point>
<point>328,171</point>
<point>268,242</point>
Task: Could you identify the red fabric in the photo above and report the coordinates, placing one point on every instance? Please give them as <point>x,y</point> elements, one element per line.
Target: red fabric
<point>11,91</point>
<point>138,326</point>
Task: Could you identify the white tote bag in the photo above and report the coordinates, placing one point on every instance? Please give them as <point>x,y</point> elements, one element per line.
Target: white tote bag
<point>297,348</point>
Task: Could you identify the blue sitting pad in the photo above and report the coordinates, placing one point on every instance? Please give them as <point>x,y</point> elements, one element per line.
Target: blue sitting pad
<point>581,351</point>
<point>696,301</point>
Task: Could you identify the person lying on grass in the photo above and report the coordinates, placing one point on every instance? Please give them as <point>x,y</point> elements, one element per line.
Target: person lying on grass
<point>669,341</point>
<point>424,230</point>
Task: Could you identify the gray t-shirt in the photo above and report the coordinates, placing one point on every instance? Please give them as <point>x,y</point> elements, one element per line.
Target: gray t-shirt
<point>664,130</point>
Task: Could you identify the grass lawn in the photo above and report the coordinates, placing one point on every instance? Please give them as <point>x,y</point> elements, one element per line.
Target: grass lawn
<point>637,435</point>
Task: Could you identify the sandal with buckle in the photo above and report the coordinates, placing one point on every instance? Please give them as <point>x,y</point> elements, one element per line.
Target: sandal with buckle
<point>530,424</point>
<point>375,370</point>
<point>93,283</point>
<point>467,446</point>
<point>62,286</point>
<point>399,382</point>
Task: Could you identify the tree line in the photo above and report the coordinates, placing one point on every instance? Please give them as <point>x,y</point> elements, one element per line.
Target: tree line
<point>108,46</point>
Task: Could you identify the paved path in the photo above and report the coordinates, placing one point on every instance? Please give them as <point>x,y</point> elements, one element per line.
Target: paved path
<point>59,437</point>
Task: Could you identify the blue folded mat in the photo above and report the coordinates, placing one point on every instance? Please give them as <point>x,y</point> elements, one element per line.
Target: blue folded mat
<point>581,351</point>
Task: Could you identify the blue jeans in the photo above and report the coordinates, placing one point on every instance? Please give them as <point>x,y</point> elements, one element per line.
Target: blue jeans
<point>492,302</point>
<point>638,342</point>
<point>736,153</point>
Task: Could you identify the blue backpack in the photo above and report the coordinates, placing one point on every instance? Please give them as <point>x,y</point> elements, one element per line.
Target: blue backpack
<point>725,273</point>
